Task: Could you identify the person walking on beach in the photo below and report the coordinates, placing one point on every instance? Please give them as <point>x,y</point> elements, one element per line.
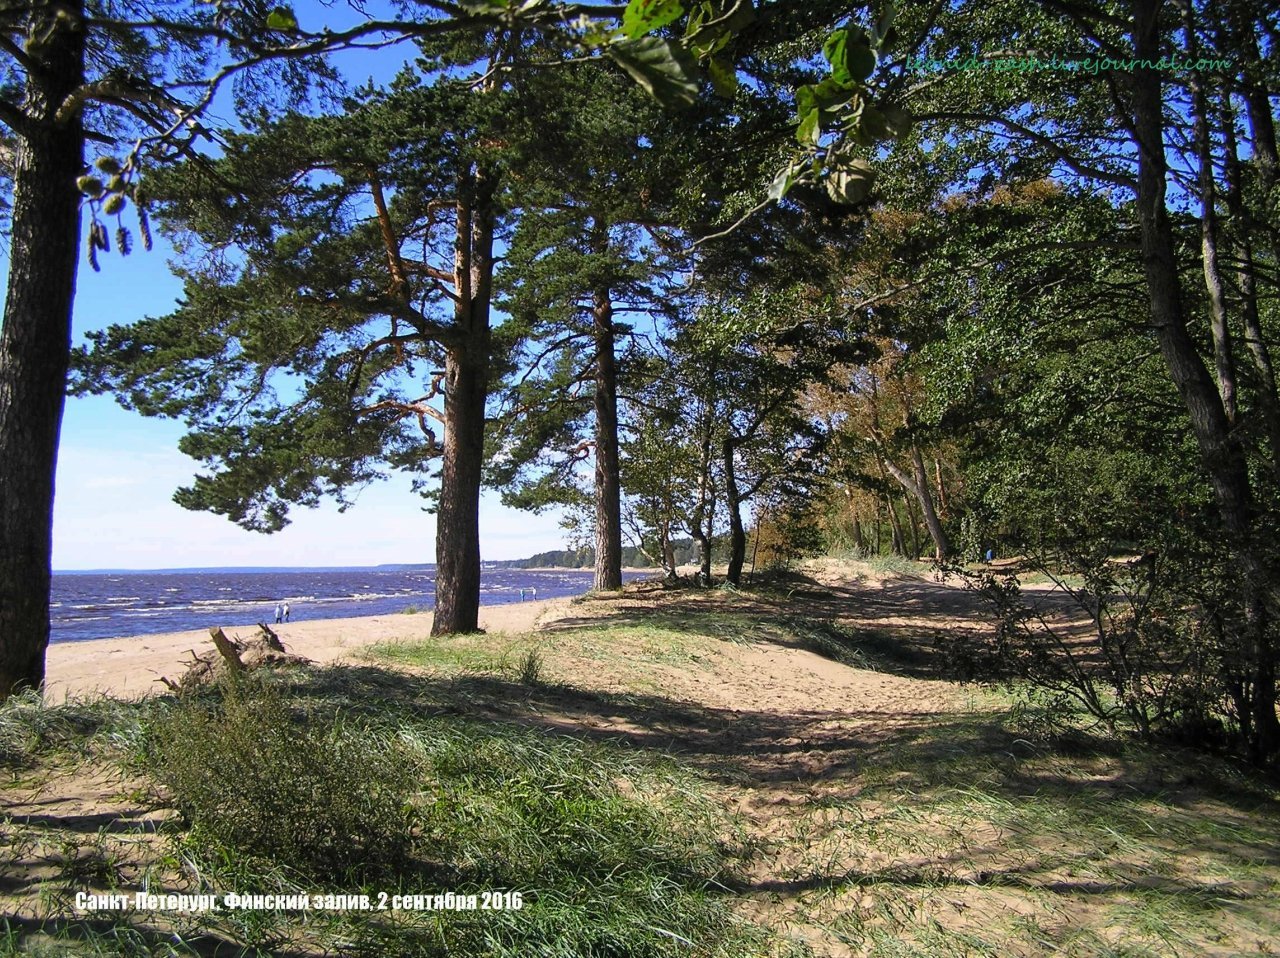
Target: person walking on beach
<point>522,592</point>
<point>279,613</point>
<point>286,611</point>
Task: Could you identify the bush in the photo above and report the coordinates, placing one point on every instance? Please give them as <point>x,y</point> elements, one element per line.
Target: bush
<point>324,798</point>
<point>1151,658</point>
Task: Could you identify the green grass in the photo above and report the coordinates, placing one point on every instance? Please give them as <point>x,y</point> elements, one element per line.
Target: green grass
<point>987,830</point>
<point>460,653</point>
<point>30,729</point>
<point>283,786</point>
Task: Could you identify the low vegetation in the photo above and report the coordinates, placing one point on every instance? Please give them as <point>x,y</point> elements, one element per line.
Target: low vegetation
<point>594,768</point>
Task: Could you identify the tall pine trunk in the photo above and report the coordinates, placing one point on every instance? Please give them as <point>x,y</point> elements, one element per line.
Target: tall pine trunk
<point>457,606</point>
<point>608,490</point>
<point>35,341</point>
<point>1220,450</point>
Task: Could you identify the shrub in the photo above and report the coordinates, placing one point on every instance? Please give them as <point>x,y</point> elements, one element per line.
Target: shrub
<point>1150,658</point>
<point>324,798</point>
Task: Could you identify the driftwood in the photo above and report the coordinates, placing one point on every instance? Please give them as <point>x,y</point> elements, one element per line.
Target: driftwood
<point>232,657</point>
<point>228,650</point>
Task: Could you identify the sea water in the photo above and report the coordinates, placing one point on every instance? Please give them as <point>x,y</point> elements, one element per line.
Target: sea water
<point>99,605</point>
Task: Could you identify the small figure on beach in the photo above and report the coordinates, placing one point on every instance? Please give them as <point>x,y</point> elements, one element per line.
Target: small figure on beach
<point>522,592</point>
<point>279,613</point>
<point>286,611</point>
<point>533,594</point>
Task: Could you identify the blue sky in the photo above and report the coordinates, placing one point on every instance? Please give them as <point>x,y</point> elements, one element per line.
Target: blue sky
<point>117,471</point>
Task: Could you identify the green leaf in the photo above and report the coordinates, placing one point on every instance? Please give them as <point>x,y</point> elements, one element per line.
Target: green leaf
<point>860,59</point>
<point>663,67</point>
<point>806,100</point>
<point>850,181</point>
<point>723,77</point>
<point>783,182</point>
<point>644,16</point>
<point>872,122</point>
<point>836,51</point>
<point>810,128</point>
<point>711,14</point>
<point>282,18</point>
<point>881,30</point>
<point>831,94</point>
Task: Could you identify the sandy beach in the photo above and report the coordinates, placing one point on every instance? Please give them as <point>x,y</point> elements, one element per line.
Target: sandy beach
<point>131,667</point>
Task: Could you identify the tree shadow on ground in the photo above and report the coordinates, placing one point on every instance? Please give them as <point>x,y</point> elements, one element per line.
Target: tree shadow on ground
<point>858,763</point>
<point>823,751</point>
<point>902,627</point>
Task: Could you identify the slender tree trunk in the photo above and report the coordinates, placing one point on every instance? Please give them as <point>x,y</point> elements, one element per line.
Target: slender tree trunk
<point>608,489</point>
<point>702,536</point>
<point>943,505</point>
<point>668,553</point>
<point>1224,459</point>
<point>1222,352</point>
<point>914,525</point>
<point>1254,340</point>
<point>895,527</point>
<point>941,544</point>
<point>1257,100</point>
<point>35,341</point>
<point>457,606</point>
<point>737,533</point>
<point>919,489</point>
<point>705,511</point>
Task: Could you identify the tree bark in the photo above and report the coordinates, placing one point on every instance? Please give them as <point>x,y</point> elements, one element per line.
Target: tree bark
<point>35,341</point>
<point>899,544</point>
<point>457,608</point>
<point>919,488</point>
<point>668,552</point>
<point>914,525</point>
<point>1254,339</point>
<point>704,511</point>
<point>608,489</point>
<point>1223,457</point>
<point>733,501</point>
<point>1222,352</point>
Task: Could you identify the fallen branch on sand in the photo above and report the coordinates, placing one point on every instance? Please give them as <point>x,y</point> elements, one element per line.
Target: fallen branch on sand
<point>233,656</point>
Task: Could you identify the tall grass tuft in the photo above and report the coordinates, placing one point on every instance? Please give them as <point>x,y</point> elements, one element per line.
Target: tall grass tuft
<point>325,798</point>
